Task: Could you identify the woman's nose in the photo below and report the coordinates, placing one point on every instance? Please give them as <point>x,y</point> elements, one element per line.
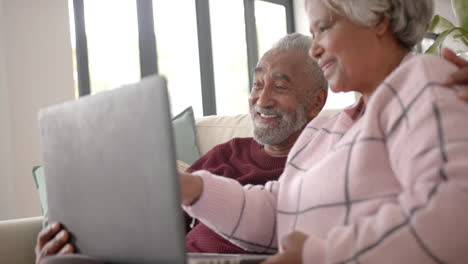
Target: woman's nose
<point>315,51</point>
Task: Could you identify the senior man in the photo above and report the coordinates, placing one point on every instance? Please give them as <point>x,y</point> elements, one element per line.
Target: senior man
<point>288,91</point>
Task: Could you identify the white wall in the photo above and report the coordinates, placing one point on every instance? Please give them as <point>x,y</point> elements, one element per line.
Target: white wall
<point>444,8</point>
<point>37,60</point>
<point>6,181</point>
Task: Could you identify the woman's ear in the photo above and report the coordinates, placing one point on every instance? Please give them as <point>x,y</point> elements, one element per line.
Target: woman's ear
<point>383,26</point>
<point>317,103</point>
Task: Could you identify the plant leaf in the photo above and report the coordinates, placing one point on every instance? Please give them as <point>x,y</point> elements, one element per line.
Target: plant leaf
<point>439,25</point>
<point>454,39</point>
<point>434,49</point>
<point>460,8</point>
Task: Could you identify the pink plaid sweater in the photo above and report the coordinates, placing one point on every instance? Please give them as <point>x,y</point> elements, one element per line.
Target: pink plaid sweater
<point>391,187</point>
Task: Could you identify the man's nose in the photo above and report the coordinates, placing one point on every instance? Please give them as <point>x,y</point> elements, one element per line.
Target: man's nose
<point>265,98</point>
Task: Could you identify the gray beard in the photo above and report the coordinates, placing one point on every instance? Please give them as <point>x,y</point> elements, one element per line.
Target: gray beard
<point>281,129</point>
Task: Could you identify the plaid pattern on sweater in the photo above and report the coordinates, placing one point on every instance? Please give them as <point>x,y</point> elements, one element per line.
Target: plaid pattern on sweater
<point>391,187</point>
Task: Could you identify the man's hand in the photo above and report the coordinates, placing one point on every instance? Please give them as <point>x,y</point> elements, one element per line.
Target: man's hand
<point>291,252</point>
<point>191,188</point>
<point>52,240</point>
<point>459,77</point>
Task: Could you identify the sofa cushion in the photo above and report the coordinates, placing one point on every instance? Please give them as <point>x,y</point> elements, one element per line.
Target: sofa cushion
<point>39,180</point>
<point>185,136</point>
<point>214,130</point>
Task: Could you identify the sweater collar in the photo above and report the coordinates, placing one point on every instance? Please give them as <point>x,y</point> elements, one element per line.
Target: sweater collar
<point>263,158</point>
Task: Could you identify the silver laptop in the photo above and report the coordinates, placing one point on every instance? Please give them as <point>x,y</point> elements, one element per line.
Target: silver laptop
<point>111,178</point>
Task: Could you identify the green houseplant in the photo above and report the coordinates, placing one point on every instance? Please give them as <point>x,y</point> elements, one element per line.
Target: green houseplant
<point>448,35</point>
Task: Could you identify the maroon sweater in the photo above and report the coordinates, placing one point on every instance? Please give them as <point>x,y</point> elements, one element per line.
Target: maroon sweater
<point>242,159</point>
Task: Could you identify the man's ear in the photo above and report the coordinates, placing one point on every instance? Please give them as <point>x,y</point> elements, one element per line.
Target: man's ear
<point>317,103</point>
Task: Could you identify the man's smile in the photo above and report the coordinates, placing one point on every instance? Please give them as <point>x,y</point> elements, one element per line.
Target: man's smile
<point>266,118</point>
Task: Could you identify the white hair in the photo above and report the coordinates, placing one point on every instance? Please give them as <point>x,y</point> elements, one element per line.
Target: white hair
<point>409,19</point>
<point>302,43</point>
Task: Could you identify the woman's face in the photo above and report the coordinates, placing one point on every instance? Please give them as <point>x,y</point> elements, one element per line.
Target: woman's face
<point>342,49</point>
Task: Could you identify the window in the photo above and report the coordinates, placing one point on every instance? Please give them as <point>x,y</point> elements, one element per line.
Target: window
<point>177,49</point>
<point>207,49</point>
<point>269,30</point>
<point>340,100</point>
<point>229,57</point>
<point>112,40</point>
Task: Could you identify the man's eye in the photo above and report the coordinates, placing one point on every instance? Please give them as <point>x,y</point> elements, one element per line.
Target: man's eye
<point>280,87</point>
<point>256,85</point>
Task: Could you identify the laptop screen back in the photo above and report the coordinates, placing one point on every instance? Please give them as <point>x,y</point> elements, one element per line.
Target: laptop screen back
<point>110,173</point>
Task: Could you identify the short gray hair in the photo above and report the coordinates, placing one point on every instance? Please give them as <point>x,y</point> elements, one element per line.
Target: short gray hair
<point>409,19</point>
<point>302,43</point>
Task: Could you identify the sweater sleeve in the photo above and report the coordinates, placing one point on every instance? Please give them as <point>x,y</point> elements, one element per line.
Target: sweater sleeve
<point>233,212</point>
<point>427,146</point>
<point>205,162</point>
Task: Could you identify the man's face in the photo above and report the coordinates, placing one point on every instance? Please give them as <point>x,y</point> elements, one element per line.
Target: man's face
<point>278,104</point>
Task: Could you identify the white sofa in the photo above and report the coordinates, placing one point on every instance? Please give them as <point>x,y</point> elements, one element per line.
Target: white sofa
<point>18,236</point>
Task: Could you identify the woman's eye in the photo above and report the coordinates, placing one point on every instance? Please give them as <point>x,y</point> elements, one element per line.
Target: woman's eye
<point>323,28</point>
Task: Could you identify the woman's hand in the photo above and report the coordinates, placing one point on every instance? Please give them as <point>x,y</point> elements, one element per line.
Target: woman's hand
<point>459,77</point>
<point>191,188</point>
<point>291,252</point>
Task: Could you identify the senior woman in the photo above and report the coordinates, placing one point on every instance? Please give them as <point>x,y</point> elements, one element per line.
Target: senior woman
<point>384,181</point>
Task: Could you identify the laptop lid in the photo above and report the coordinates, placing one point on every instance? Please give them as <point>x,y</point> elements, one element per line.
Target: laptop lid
<point>110,173</point>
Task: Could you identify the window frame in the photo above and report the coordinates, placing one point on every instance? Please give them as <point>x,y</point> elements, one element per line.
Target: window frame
<point>251,30</point>
<point>148,51</point>
<point>147,38</point>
